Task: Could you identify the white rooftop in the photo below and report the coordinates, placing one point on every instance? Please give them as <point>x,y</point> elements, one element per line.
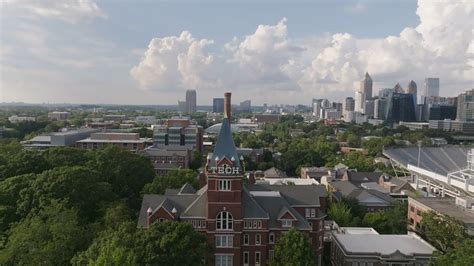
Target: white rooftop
<point>356,241</point>
<point>291,180</point>
<point>265,193</point>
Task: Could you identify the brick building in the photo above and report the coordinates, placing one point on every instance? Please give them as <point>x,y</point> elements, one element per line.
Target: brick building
<point>242,221</point>
<point>452,207</point>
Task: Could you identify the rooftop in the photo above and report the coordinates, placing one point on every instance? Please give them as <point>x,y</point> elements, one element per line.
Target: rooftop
<point>440,160</point>
<point>447,206</point>
<point>385,245</point>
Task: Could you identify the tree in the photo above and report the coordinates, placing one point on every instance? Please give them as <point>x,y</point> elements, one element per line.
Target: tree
<point>51,237</point>
<point>443,232</point>
<point>125,171</point>
<point>293,248</point>
<point>164,243</point>
<point>359,161</point>
<point>462,255</point>
<point>340,213</point>
<point>389,221</point>
<point>197,160</point>
<point>111,247</point>
<point>78,187</point>
<point>23,162</point>
<point>176,178</point>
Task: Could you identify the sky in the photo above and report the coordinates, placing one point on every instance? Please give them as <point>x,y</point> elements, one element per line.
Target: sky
<point>274,52</point>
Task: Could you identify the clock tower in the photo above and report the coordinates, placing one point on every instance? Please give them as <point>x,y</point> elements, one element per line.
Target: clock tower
<point>224,171</point>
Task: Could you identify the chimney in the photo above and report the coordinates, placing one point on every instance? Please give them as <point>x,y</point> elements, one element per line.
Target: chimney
<point>251,178</point>
<point>227,105</point>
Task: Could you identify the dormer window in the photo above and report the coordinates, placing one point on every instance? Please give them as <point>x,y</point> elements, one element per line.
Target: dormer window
<point>224,185</point>
<point>286,223</point>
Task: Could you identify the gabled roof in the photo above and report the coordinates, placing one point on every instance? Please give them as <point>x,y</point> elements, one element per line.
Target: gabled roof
<point>295,195</point>
<point>284,210</point>
<point>273,205</point>
<point>225,147</point>
<point>198,208</point>
<point>274,173</point>
<point>187,189</point>
<point>371,197</point>
<point>251,209</point>
<point>358,178</point>
<point>153,201</point>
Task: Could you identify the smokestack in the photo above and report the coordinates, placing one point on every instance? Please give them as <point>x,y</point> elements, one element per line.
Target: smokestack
<point>227,105</point>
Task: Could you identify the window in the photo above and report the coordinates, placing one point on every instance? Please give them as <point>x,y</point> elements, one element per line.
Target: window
<point>307,212</point>
<point>223,260</point>
<point>252,224</point>
<point>412,221</point>
<point>286,223</point>
<point>246,239</point>
<point>199,223</point>
<point>224,185</point>
<point>271,254</point>
<point>161,219</point>
<point>224,221</point>
<point>259,224</point>
<point>246,258</point>
<point>412,209</point>
<point>257,258</point>
<point>271,238</point>
<point>258,239</point>
<point>313,212</point>
<point>224,241</point>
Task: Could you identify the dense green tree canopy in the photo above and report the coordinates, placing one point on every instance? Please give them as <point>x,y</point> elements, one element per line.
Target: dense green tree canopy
<point>461,255</point>
<point>166,243</point>
<point>443,232</point>
<point>293,249</point>
<point>175,178</point>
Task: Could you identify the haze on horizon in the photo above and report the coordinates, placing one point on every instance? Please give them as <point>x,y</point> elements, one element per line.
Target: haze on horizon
<point>150,52</point>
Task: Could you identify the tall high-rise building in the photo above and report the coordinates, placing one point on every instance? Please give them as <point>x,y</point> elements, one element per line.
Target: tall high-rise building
<point>398,88</point>
<point>190,101</point>
<point>465,106</point>
<point>401,108</point>
<point>337,106</point>
<point>366,87</point>
<point>218,105</point>
<point>317,107</point>
<point>380,108</point>
<point>385,93</point>
<point>369,108</point>
<point>246,106</point>
<point>363,94</point>
<point>182,106</point>
<point>359,102</point>
<point>431,87</point>
<point>412,89</point>
<point>349,104</point>
<point>326,103</point>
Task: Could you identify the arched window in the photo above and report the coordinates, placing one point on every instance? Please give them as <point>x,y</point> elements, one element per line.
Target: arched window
<point>224,221</point>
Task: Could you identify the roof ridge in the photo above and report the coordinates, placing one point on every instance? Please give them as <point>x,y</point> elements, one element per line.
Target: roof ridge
<point>192,204</point>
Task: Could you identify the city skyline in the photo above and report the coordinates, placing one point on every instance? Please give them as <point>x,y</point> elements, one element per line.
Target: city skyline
<point>89,53</point>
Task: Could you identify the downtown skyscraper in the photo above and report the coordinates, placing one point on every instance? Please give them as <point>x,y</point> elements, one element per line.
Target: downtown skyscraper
<point>191,101</point>
<point>364,93</point>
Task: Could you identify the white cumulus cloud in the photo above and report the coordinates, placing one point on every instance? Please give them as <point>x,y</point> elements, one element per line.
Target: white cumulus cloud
<point>441,45</point>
